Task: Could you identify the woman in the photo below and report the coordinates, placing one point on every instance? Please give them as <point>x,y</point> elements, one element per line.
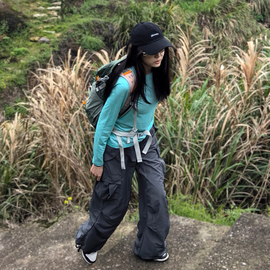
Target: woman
<point>115,160</point>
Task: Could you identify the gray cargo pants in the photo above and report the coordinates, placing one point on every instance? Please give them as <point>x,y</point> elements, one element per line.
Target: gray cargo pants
<point>111,197</point>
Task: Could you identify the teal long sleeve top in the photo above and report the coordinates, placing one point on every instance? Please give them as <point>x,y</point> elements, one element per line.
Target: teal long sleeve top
<point>108,118</point>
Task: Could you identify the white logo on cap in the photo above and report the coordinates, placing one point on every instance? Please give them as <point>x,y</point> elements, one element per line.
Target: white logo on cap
<point>156,34</point>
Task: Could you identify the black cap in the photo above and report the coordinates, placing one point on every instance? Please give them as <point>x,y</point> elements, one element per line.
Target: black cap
<point>149,38</point>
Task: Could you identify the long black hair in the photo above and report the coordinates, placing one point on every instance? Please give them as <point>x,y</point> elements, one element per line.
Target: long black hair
<point>161,75</point>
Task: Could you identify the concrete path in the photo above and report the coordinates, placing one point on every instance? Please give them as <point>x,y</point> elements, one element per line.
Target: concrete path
<point>192,245</point>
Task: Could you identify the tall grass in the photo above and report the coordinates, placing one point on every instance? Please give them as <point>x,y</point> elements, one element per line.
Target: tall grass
<point>215,140</point>
<point>56,107</point>
<point>25,187</point>
<point>48,153</point>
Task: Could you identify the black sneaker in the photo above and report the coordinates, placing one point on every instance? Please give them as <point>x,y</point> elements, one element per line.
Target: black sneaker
<point>163,258</point>
<point>89,258</point>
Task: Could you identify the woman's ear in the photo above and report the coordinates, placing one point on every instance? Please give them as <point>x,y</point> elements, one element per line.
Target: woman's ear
<point>140,53</point>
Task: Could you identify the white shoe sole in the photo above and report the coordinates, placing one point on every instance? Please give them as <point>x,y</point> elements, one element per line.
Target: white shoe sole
<point>162,259</point>
<point>89,258</point>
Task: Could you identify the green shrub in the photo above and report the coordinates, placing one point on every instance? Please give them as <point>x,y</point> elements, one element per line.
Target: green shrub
<point>19,52</point>
<point>18,107</point>
<point>67,7</point>
<point>3,27</point>
<point>91,43</point>
<point>2,84</point>
<point>9,111</point>
<point>96,8</point>
<point>258,17</point>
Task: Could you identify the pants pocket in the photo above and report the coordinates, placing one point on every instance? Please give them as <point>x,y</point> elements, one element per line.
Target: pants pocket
<point>105,190</point>
<point>110,181</point>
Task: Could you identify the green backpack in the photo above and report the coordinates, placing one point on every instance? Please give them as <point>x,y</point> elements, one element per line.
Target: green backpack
<point>95,100</point>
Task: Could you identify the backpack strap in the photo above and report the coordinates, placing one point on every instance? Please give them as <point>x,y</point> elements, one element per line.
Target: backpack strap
<point>131,79</point>
<point>133,133</point>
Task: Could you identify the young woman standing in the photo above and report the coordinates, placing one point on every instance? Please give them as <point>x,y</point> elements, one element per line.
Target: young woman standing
<point>127,144</point>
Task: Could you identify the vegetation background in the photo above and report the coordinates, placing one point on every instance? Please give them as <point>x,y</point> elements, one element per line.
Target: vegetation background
<point>213,130</point>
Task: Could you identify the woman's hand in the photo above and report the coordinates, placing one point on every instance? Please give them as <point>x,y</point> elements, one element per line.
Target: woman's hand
<point>96,171</point>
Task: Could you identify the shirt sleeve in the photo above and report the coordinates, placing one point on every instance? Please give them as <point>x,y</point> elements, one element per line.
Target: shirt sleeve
<point>107,119</point>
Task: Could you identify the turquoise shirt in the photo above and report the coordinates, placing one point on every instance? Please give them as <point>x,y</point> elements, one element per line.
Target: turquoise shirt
<point>108,118</point>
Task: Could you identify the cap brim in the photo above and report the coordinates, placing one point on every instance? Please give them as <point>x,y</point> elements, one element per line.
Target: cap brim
<point>156,47</point>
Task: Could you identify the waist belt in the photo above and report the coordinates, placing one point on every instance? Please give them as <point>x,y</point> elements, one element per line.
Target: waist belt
<point>133,133</point>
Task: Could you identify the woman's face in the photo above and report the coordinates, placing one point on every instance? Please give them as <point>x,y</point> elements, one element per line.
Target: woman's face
<point>150,61</point>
